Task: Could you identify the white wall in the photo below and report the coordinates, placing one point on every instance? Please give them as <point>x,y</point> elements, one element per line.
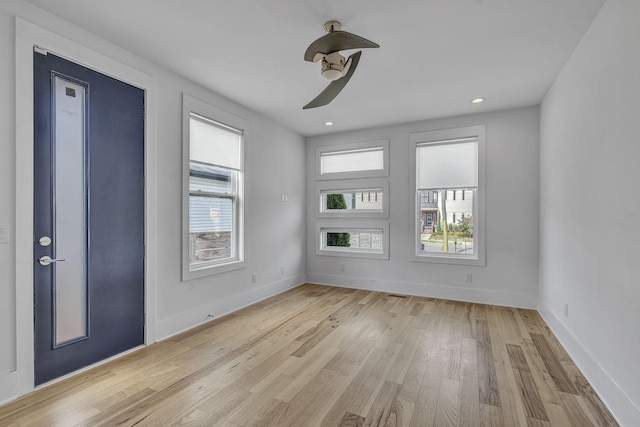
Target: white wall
<point>274,230</point>
<point>274,166</point>
<point>510,276</point>
<point>7,197</point>
<point>590,207</point>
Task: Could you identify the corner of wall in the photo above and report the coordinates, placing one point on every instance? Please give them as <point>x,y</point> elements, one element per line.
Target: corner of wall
<point>186,320</point>
<point>620,405</point>
<point>429,290</point>
<point>8,386</point>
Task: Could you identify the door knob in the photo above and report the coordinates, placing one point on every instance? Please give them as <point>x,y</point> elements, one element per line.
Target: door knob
<point>46,260</point>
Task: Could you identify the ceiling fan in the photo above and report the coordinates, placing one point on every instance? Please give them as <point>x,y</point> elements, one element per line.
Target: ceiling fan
<point>335,67</point>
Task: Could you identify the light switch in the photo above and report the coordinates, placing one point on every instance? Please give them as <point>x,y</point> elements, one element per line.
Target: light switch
<point>4,233</point>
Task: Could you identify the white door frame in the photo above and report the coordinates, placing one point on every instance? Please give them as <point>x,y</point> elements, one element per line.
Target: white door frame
<point>29,36</point>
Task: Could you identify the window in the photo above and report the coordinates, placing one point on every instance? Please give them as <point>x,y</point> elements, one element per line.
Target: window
<point>353,198</point>
<point>364,159</point>
<point>366,240</point>
<point>359,160</point>
<point>361,240</point>
<point>213,190</point>
<point>448,183</point>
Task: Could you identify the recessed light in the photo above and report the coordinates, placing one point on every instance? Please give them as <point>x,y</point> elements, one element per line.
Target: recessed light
<point>478,100</point>
<point>328,123</point>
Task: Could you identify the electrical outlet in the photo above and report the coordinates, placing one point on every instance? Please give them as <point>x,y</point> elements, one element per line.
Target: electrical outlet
<point>254,278</point>
<point>282,270</point>
<point>566,310</point>
<point>283,198</point>
<point>469,278</point>
<point>341,267</point>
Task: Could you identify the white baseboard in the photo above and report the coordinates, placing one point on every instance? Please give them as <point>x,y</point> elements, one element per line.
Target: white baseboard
<point>8,386</point>
<point>619,404</point>
<point>176,324</point>
<point>465,294</point>
<point>196,316</point>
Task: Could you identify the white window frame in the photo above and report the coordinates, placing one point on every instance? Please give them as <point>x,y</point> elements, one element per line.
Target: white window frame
<point>191,105</point>
<point>439,137</point>
<point>341,226</point>
<point>320,151</point>
<point>352,186</point>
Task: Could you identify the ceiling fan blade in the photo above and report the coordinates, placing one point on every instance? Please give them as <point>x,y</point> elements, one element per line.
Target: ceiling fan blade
<point>334,88</point>
<point>334,42</point>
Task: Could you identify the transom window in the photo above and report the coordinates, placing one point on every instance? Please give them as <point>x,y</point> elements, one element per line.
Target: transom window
<point>352,240</point>
<point>368,200</point>
<point>353,198</point>
<point>349,161</point>
<point>366,239</point>
<point>364,159</point>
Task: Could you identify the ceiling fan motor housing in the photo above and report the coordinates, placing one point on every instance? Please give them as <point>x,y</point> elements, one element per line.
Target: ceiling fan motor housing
<point>333,66</point>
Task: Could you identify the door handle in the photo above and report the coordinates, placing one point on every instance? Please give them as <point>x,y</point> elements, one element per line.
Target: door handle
<point>46,260</point>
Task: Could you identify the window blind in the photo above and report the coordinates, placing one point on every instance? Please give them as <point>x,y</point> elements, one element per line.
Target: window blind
<point>450,164</point>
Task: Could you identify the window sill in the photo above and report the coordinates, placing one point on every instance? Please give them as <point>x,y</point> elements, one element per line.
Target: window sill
<point>353,254</point>
<point>189,273</point>
<point>448,259</point>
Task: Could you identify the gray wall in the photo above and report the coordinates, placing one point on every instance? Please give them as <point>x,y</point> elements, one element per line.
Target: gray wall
<point>590,206</point>
<point>510,276</point>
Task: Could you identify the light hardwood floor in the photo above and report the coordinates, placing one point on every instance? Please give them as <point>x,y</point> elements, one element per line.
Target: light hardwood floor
<point>325,356</point>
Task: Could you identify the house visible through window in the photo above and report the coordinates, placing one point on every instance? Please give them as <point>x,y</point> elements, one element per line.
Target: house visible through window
<point>447,184</point>
<point>364,239</point>
<point>211,202</point>
<point>352,201</point>
<point>212,214</point>
<point>359,240</point>
<point>213,191</point>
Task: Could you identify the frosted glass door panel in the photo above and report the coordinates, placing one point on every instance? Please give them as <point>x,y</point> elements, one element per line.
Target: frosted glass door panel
<point>70,284</point>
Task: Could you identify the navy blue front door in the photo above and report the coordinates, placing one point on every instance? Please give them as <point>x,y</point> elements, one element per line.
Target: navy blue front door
<point>89,216</point>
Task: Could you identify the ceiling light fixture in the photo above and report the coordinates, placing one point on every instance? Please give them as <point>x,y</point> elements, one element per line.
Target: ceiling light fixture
<point>328,123</point>
<point>478,100</point>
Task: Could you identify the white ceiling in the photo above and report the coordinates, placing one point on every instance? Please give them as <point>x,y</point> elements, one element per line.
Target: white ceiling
<point>434,55</point>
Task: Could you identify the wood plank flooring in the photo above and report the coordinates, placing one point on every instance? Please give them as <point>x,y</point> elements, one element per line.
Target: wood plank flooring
<point>325,356</point>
